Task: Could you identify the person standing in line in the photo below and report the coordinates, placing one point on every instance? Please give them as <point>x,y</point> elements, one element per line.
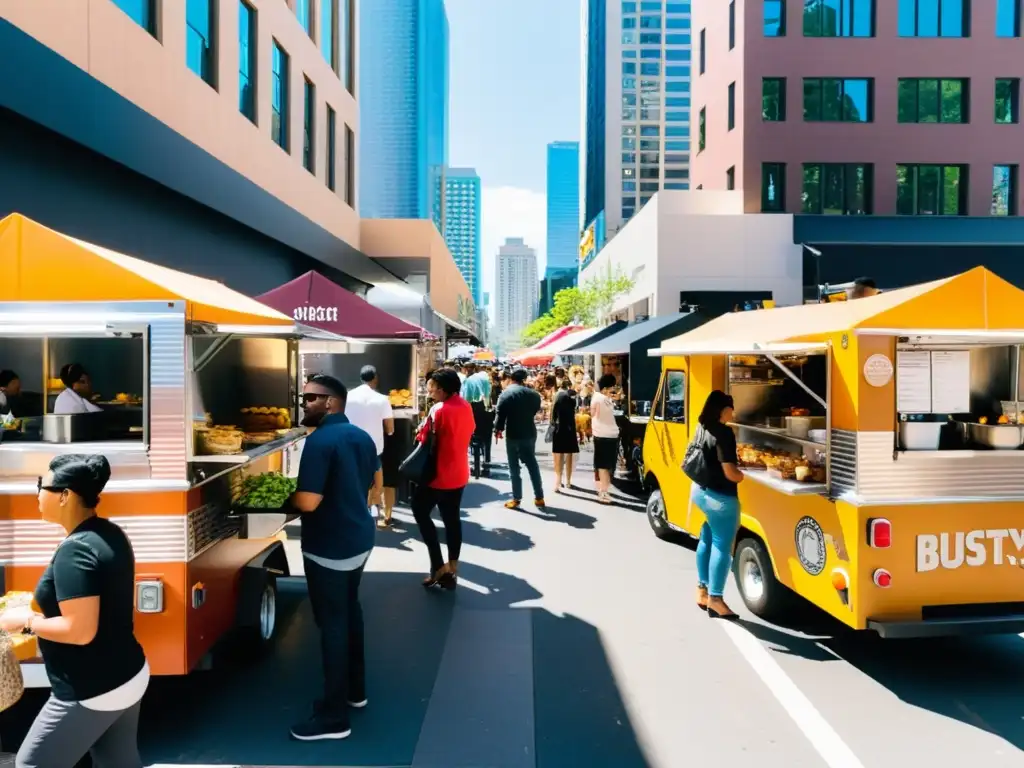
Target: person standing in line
<point>606,436</point>
<point>452,424</point>
<point>719,501</point>
<point>339,465</point>
<point>564,445</point>
<point>476,390</point>
<point>370,410</point>
<point>97,669</point>
<point>517,410</point>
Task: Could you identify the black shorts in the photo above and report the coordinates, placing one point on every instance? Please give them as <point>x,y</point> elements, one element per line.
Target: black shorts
<point>606,453</point>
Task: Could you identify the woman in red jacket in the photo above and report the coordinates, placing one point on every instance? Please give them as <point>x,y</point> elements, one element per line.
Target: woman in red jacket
<point>451,419</point>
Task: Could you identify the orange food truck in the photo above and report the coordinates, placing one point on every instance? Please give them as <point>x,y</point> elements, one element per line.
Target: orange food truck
<point>199,389</point>
<point>881,439</point>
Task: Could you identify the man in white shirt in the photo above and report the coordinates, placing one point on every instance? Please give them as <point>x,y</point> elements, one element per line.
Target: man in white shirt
<point>371,411</point>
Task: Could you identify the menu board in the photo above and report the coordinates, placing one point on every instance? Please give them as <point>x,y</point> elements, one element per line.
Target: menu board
<point>914,382</point>
<point>951,382</point>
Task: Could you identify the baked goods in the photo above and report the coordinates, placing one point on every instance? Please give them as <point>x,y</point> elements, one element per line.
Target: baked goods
<point>265,418</point>
<point>220,441</point>
<point>400,398</point>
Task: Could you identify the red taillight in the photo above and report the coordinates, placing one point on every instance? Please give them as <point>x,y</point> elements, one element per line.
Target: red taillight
<point>882,578</point>
<point>879,533</point>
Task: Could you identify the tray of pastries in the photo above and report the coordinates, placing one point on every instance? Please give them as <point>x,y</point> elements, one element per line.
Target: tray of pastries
<point>265,418</point>
<point>400,398</point>
<point>781,465</point>
<point>219,440</point>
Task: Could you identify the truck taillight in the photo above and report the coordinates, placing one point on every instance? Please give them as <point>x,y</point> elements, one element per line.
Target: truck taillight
<point>879,533</point>
<point>882,578</point>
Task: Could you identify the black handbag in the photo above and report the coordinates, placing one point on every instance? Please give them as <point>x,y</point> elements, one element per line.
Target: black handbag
<point>695,462</point>
<point>420,465</point>
<point>549,435</point>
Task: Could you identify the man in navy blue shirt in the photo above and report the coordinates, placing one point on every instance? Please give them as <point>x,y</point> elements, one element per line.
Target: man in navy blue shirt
<point>339,465</point>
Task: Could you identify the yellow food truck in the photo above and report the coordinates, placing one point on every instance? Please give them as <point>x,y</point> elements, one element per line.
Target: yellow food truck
<point>881,443</point>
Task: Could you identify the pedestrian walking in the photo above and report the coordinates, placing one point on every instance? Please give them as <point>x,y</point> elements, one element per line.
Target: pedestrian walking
<point>339,465</point>
<point>606,436</point>
<point>476,390</point>
<point>97,669</point>
<point>565,446</point>
<point>451,422</point>
<point>517,410</point>
<point>712,465</point>
<point>370,410</point>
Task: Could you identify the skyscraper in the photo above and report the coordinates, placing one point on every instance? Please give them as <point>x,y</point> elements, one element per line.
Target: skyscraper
<point>456,212</point>
<point>516,286</point>
<point>636,105</point>
<point>403,87</point>
<point>563,220</point>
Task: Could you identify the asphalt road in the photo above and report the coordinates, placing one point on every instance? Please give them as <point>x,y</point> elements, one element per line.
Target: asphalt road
<point>572,641</point>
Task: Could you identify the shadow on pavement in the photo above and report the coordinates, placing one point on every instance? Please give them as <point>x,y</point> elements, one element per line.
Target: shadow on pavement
<point>473,534</point>
<point>554,514</point>
<point>240,714</point>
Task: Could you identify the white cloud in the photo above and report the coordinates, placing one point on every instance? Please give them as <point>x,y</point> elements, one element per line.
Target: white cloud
<point>511,212</point>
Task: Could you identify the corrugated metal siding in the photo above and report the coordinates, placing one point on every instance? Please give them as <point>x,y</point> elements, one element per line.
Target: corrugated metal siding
<point>843,462</point>
<point>167,427</point>
<point>155,539</point>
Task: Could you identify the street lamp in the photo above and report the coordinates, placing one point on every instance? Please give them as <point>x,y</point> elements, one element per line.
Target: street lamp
<point>817,266</point>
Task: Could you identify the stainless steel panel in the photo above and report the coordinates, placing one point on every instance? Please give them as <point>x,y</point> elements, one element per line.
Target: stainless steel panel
<point>73,427</point>
<point>842,461</point>
<point>155,539</point>
<point>128,461</point>
<point>168,425</point>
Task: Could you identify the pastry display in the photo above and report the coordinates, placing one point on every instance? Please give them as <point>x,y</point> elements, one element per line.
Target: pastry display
<point>400,398</point>
<point>265,418</point>
<point>219,441</point>
<point>782,465</point>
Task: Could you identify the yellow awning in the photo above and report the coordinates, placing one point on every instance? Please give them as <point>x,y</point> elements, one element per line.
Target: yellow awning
<point>976,300</point>
<point>42,265</point>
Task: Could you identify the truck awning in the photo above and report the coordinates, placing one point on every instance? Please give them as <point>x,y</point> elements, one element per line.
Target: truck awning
<point>619,343</point>
<point>45,266</point>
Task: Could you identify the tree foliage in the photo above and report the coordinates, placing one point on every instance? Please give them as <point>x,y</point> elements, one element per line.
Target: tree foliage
<point>584,305</point>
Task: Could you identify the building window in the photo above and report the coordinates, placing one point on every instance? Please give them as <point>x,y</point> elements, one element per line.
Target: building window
<point>332,154</point>
<point>302,13</point>
<point>701,130</point>
<point>774,20</point>
<point>732,24</point>
<point>247,60</point>
<point>931,190</point>
<point>730,178</point>
<point>348,34</point>
<point>835,100</point>
<point>309,126</point>
<point>732,106</point>
<point>328,13</point>
<point>934,18</point>
<point>839,18</point>
<point>932,101</point>
<point>773,99</point>
<point>1008,100</point>
<point>1004,190</point>
<point>629,7</point>
<point>773,187</point>
<point>199,39</point>
<point>1007,21</point>
<point>350,167</point>
<point>703,53</point>
<point>142,12</point>
<point>279,97</point>
<point>836,188</point>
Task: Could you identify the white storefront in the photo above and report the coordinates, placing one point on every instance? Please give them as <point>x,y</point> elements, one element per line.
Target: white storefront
<point>696,241</point>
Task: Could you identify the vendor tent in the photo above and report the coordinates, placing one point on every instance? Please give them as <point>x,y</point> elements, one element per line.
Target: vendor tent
<point>314,300</point>
<point>42,265</point>
<point>545,355</point>
<point>977,300</point>
<point>545,342</point>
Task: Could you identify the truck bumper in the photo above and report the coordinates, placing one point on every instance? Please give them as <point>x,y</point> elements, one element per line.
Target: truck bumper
<point>995,625</point>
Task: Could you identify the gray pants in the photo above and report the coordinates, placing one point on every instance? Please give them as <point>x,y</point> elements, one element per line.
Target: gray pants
<point>64,731</point>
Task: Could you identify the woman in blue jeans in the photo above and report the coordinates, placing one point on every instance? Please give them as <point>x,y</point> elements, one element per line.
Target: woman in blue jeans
<point>719,503</point>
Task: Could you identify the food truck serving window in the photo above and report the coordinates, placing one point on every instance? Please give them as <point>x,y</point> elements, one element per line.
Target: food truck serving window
<point>672,407</point>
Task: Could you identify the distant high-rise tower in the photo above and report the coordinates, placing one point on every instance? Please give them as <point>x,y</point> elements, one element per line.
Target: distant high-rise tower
<point>635,104</point>
<point>516,286</point>
<point>457,216</point>
<point>563,225</point>
<point>403,106</point>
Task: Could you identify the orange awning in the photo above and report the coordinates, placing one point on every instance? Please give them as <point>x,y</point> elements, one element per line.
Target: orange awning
<point>41,265</point>
<point>976,300</point>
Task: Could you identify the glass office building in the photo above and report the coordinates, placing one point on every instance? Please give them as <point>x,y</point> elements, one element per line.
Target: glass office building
<point>456,212</point>
<point>403,106</point>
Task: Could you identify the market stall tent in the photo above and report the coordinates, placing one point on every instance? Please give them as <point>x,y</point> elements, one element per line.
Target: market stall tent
<point>314,300</point>
<point>42,265</point>
<point>545,355</point>
<point>543,343</point>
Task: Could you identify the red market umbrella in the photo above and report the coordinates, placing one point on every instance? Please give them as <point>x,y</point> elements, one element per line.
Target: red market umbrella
<point>314,300</point>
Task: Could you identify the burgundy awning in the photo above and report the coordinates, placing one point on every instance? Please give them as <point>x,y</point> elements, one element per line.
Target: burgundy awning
<point>314,300</point>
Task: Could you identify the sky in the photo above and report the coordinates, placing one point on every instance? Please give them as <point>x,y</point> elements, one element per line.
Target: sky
<point>514,87</point>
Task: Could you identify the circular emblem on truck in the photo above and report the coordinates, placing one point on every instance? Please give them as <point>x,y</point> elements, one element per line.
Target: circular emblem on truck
<point>810,545</point>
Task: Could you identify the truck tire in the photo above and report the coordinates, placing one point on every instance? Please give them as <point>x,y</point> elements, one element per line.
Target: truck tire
<point>259,633</point>
<point>763,594</point>
<point>657,516</point>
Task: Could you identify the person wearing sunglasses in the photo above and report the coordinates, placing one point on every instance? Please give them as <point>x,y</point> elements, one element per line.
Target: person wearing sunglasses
<point>97,669</point>
<point>339,465</point>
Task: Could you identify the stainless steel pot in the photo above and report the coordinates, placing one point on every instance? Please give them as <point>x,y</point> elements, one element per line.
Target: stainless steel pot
<point>1005,437</point>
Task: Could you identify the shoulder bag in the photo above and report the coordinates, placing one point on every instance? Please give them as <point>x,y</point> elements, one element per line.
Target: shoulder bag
<point>695,462</point>
<point>420,465</point>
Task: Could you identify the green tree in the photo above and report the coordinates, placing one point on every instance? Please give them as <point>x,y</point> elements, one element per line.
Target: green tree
<point>585,305</point>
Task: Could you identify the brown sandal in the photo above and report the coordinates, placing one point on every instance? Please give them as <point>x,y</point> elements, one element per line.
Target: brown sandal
<point>702,598</point>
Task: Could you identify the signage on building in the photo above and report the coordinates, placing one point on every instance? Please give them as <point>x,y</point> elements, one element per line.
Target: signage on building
<point>592,240</point>
<point>316,314</point>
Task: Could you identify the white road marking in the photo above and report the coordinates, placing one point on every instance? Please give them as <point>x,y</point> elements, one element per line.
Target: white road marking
<point>822,736</point>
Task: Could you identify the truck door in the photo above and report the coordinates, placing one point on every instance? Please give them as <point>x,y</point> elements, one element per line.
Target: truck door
<point>671,434</point>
